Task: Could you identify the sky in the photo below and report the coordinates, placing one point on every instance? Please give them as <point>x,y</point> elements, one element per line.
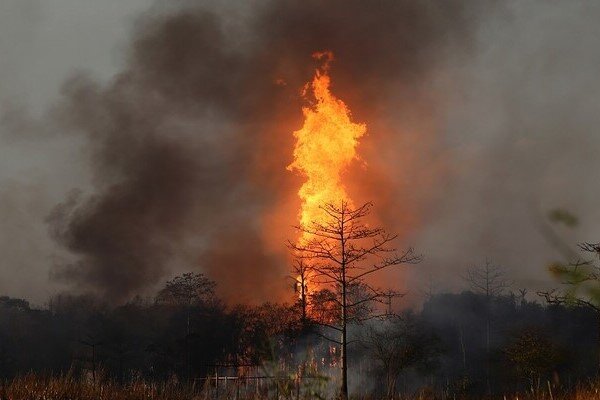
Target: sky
<point>502,128</point>
<point>42,43</point>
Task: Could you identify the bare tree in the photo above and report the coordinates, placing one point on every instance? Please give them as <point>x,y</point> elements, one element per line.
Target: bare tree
<point>522,295</point>
<point>301,278</point>
<point>430,289</point>
<point>92,359</point>
<point>342,251</point>
<point>489,280</point>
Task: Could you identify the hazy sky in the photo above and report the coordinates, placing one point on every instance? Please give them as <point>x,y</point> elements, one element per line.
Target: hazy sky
<point>518,128</point>
<point>42,42</point>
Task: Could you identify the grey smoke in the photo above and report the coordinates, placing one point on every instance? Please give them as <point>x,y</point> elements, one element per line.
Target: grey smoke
<point>177,138</point>
<point>187,144</point>
<point>522,132</point>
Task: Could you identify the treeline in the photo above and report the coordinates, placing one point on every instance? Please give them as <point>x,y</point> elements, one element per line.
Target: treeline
<point>467,343</point>
<point>530,345</point>
<point>152,340</point>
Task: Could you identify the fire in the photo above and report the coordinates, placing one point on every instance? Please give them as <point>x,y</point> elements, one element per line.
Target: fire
<point>325,146</point>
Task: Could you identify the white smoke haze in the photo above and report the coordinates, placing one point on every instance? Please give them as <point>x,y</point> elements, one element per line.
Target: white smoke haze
<point>490,112</point>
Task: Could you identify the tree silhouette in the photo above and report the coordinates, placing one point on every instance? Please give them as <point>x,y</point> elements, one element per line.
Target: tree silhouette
<point>487,279</point>
<point>490,280</point>
<point>301,278</point>
<point>533,355</point>
<point>342,251</point>
<point>187,290</point>
<point>581,277</point>
<point>398,344</point>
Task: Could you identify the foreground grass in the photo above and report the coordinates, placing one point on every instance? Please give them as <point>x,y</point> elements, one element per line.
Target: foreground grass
<point>32,387</point>
<point>67,387</point>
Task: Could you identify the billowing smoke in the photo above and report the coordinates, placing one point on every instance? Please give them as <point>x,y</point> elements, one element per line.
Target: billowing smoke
<point>189,142</point>
<point>481,117</point>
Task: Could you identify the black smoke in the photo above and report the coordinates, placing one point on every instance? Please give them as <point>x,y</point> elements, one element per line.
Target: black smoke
<point>188,144</point>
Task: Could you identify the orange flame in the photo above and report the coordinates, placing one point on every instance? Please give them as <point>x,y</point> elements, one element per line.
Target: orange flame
<point>325,146</point>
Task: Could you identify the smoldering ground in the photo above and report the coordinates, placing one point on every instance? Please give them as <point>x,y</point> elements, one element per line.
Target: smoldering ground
<point>188,143</point>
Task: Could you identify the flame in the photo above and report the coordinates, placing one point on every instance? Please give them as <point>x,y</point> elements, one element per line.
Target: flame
<point>325,146</point>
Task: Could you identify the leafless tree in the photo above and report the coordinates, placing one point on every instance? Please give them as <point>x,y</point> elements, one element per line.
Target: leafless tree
<point>489,280</point>
<point>92,359</point>
<point>300,272</point>
<point>430,289</point>
<point>521,296</point>
<point>342,251</point>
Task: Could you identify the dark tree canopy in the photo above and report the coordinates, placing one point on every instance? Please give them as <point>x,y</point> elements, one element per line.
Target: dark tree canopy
<point>189,288</point>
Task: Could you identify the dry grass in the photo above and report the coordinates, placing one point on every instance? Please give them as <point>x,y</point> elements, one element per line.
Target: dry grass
<point>67,387</point>
<point>33,387</point>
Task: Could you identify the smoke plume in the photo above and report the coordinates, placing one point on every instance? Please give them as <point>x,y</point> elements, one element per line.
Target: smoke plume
<point>189,142</point>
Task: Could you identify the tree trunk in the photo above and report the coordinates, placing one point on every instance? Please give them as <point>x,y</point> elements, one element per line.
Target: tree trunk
<point>391,384</point>
<point>303,298</point>
<point>488,318</point>
<point>344,394</point>
<point>344,391</point>
<point>598,341</point>
<point>462,347</point>
<point>187,347</point>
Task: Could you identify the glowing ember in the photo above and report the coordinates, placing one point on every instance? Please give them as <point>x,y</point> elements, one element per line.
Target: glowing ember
<point>325,146</point>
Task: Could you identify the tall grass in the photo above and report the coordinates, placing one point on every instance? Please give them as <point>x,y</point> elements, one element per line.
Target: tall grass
<point>67,387</point>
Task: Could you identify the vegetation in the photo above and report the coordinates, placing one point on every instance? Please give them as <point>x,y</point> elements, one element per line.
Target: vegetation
<point>340,254</point>
<point>441,349</point>
<point>34,387</point>
<point>533,355</point>
<point>186,343</point>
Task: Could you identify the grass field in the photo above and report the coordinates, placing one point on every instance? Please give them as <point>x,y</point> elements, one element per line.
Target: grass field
<point>32,387</point>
